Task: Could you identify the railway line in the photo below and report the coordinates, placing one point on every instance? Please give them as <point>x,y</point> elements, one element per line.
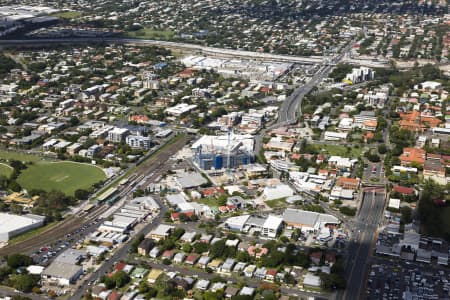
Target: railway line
<point>54,233</point>
<point>153,165</point>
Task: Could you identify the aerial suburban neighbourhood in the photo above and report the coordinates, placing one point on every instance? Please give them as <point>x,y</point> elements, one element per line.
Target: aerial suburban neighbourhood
<point>240,149</point>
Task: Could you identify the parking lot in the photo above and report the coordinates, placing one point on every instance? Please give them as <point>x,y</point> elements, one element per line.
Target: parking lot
<point>407,280</point>
<point>45,254</point>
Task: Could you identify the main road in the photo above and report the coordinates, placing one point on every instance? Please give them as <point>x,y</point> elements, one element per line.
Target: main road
<point>359,250</point>
<point>291,108</point>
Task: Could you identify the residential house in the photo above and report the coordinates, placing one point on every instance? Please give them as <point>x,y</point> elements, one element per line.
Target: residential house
<point>413,156</point>
<point>145,246</point>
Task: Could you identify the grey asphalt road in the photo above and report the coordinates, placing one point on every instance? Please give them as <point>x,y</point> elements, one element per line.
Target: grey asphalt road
<point>9,292</point>
<point>204,275</point>
<point>360,247</point>
<point>291,108</point>
<point>119,255</point>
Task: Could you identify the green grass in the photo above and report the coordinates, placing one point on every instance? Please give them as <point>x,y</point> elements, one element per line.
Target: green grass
<point>67,14</point>
<point>5,170</point>
<point>147,33</point>
<point>24,157</point>
<point>208,201</point>
<point>276,203</point>
<point>340,150</point>
<point>63,176</point>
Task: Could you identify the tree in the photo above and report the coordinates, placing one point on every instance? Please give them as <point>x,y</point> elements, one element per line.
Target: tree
<point>14,186</point>
<point>406,212</point>
<point>17,165</point>
<point>81,194</point>
<point>23,282</point>
<point>121,279</point>
<point>212,296</point>
<point>135,243</point>
<point>109,282</point>
<point>200,248</point>
<point>217,249</point>
<point>243,256</point>
<point>187,248</point>
<point>382,149</point>
<point>74,121</point>
<point>349,211</point>
<point>18,260</point>
<point>177,233</point>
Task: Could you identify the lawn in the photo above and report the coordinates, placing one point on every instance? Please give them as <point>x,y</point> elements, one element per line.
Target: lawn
<point>340,150</point>
<point>211,201</point>
<point>66,177</point>
<point>147,33</point>
<point>5,170</point>
<point>277,203</point>
<point>24,157</point>
<point>67,15</point>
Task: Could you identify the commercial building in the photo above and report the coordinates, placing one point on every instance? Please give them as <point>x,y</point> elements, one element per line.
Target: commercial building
<point>65,269</point>
<point>272,226</point>
<point>161,232</point>
<point>222,159</point>
<point>138,142</point>
<point>12,225</point>
<point>361,74</point>
<point>180,109</point>
<point>61,274</point>
<point>308,220</point>
<point>117,135</point>
<point>277,191</point>
<point>335,136</point>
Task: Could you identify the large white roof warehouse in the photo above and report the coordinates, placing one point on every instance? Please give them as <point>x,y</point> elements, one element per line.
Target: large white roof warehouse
<point>308,220</point>
<point>12,225</point>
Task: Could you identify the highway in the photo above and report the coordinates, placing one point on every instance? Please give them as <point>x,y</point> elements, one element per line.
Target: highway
<point>291,108</point>
<point>360,247</point>
<point>144,42</point>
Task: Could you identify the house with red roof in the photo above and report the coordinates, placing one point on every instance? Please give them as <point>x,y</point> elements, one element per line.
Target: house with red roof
<point>348,183</point>
<point>168,254</point>
<point>175,216</point>
<point>408,191</point>
<point>412,155</point>
<point>191,259</point>
<point>119,266</point>
<point>114,295</point>
<point>271,274</point>
<point>212,191</point>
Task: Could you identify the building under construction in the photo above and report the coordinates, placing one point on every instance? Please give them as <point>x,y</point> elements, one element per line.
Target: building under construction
<point>224,152</point>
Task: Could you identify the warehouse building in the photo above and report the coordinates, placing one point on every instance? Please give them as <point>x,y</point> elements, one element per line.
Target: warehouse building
<point>12,225</point>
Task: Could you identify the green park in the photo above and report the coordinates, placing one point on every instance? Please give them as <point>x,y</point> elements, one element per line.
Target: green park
<point>66,177</point>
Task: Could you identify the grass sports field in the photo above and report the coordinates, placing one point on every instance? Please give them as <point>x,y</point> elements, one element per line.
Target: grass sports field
<point>5,170</point>
<point>66,177</point>
<point>8,155</point>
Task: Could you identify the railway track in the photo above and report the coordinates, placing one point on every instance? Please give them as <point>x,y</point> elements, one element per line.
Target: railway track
<point>69,225</point>
<point>54,233</point>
